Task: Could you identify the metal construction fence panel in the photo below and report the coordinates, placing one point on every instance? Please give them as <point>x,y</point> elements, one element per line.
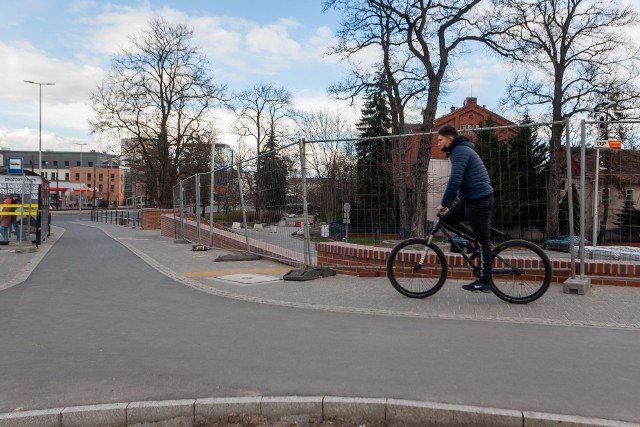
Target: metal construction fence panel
<point>370,190</point>
<point>256,206</point>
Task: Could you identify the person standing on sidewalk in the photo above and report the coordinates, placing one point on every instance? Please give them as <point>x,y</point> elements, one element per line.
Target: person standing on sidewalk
<point>469,180</point>
<point>5,221</point>
<point>15,222</point>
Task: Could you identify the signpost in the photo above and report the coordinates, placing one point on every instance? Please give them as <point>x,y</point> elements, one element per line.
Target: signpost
<point>609,143</point>
<point>346,219</point>
<point>605,144</point>
<point>14,166</point>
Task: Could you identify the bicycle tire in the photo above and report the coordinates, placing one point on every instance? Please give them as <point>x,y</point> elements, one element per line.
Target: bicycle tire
<point>521,272</point>
<point>406,279</point>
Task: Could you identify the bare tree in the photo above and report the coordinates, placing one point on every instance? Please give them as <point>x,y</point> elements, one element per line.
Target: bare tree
<point>262,111</point>
<point>422,38</point>
<point>328,158</point>
<point>370,25</point>
<point>573,54</point>
<point>158,95</point>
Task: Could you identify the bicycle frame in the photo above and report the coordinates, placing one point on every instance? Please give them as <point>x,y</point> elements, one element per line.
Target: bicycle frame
<point>448,231</point>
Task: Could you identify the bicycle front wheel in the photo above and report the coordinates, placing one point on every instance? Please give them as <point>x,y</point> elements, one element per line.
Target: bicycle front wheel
<point>521,272</point>
<point>410,276</point>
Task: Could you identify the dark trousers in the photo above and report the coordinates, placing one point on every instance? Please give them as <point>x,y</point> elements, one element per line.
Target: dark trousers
<point>476,213</point>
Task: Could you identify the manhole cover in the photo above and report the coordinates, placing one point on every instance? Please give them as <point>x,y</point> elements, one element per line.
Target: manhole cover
<point>249,279</point>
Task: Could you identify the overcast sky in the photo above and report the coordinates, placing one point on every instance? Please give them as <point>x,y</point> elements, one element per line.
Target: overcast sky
<point>70,43</point>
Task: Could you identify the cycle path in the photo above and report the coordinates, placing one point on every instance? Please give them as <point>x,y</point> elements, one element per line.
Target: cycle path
<point>604,306</point>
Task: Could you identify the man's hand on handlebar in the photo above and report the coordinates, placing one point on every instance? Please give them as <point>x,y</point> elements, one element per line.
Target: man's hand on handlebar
<point>441,210</point>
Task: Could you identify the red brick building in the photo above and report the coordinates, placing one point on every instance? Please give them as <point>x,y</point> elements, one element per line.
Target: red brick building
<point>467,119</point>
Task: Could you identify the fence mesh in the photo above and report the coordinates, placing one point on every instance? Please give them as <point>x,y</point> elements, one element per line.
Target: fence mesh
<point>257,206</point>
<point>374,191</point>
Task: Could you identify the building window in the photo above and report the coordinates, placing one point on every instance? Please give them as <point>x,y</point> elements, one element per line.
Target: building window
<point>100,177</point>
<point>78,163</point>
<point>90,164</point>
<point>100,187</point>
<point>629,194</point>
<point>44,175</point>
<point>77,176</point>
<point>55,163</point>
<point>89,185</point>
<point>66,176</point>
<point>88,176</point>
<point>66,162</point>
<point>113,177</point>
<point>113,187</point>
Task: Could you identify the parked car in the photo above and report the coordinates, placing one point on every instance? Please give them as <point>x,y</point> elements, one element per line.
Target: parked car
<point>561,243</point>
<point>465,245</point>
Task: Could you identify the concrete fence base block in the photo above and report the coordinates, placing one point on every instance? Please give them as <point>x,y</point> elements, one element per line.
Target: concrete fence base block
<point>207,411</point>
<point>45,418</point>
<point>539,419</point>
<point>286,407</point>
<point>113,415</point>
<point>353,407</point>
<point>171,413</point>
<point>440,414</point>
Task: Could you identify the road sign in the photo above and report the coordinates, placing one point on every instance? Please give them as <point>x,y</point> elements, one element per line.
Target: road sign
<point>346,207</point>
<point>609,143</point>
<point>14,165</point>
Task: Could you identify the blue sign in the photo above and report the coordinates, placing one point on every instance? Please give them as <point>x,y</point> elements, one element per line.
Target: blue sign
<point>14,165</point>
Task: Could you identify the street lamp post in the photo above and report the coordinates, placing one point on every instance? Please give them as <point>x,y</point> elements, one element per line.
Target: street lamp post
<point>57,186</point>
<point>81,144</point>
<point>40,84</point>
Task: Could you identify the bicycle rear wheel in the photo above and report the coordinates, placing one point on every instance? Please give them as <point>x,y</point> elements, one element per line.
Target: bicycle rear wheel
<point>411,278</point>
<point>521,272</point>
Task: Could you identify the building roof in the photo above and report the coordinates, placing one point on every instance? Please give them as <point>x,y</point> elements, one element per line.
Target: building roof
<point>471,106</point>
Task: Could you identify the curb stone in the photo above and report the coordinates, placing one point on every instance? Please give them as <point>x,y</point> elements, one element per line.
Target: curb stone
<point>201,412</point>
<point>167,413</point>
<point>38,418</point>
<point>113,415</point>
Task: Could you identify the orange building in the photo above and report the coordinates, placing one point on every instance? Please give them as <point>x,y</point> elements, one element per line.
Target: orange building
<point>103,183</point>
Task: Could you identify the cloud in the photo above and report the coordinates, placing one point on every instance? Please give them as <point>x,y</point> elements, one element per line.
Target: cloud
<point>241,52</point>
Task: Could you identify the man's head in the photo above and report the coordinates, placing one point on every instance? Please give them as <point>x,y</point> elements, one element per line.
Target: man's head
<point>446,135</point>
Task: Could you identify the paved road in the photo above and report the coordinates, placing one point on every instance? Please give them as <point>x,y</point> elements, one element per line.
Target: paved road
<point>94,323</point>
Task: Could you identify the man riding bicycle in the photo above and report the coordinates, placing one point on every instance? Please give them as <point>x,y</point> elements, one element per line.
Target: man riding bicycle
<point>469,180</point>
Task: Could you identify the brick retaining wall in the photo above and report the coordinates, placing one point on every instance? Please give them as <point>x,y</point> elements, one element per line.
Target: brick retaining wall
<point>151,217</point>
<point>370,261</point>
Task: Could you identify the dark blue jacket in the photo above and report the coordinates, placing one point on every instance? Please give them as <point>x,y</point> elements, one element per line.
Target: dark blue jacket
<point>469,178</point>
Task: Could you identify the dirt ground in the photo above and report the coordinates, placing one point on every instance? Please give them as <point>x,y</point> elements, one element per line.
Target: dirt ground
<point>248,420</point>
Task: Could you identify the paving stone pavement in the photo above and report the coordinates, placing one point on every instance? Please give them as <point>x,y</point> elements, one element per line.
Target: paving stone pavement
<point>603,306</point>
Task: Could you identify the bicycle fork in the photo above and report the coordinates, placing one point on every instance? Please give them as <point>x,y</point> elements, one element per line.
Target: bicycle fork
<point>425,252</point>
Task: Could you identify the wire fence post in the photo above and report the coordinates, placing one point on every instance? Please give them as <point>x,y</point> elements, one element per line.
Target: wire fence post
<point>570,194</point>
<point>198,205</point>
<point>583,138</point>
<point>244,209</point>
<point>305,209</point>
<point>181,210</point>
<point>211,192</point>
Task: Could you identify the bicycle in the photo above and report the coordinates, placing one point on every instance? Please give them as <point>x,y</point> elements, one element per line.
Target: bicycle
<point>418,268</point>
